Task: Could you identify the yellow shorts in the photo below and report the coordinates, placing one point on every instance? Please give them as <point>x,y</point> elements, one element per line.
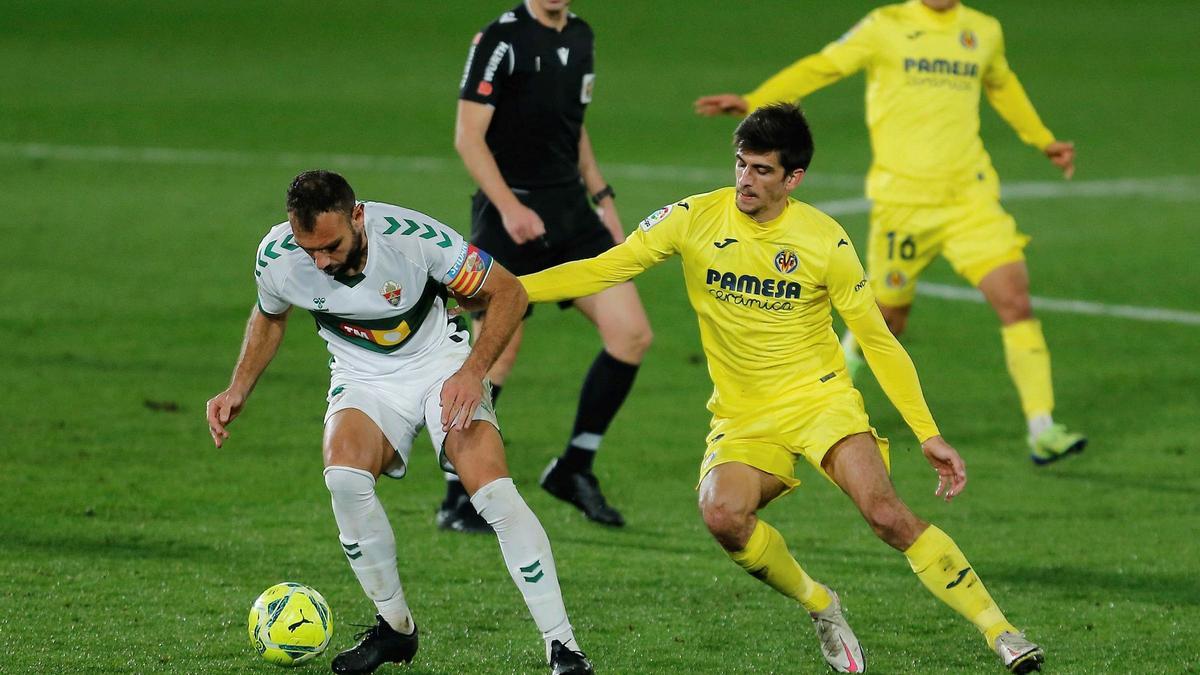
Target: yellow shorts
<point>773,436</point>
<point>975,236</point>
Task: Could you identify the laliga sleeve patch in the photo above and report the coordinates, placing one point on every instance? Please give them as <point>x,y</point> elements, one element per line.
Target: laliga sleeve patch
<point>655,218</point>
<point>468,278</point>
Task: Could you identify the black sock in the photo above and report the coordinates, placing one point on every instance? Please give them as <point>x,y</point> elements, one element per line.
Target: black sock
<point>454,492</point>
<point>604,390</point>
<point>496,389</point>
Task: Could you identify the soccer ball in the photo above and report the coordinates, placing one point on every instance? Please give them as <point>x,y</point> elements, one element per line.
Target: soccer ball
<point>290,623</point>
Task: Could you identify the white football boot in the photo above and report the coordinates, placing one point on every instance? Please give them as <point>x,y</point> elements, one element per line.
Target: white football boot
<point>1018,654</point>
<point>839,646</point>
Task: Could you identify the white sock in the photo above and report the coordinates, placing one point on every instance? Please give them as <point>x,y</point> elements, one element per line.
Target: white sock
<point>850,345</point>
<point>527,555</point>
<point>368,542</point>
<point>1038,424</point>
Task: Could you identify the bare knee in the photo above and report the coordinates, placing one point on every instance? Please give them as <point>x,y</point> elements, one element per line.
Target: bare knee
<point>630,343</point>
<point>1014,309</point>
<point>892,522</point>
<point>729,525</point>
<point>896,318</point>
<point>477,454</point>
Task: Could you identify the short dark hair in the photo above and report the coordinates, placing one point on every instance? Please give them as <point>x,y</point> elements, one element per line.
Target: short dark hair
<point>777,127</point>
<point>315,192</point>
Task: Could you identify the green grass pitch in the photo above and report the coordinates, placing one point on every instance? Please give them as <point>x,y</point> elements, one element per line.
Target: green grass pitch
<point>129,544</point>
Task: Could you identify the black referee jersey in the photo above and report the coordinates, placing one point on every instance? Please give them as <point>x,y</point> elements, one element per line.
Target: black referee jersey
<point>539,81</point>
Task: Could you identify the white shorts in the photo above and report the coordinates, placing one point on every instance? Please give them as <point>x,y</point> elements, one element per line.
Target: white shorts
<point>403,402</point>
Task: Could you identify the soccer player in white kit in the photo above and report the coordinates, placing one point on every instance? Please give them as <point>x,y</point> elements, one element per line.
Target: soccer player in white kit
<point>376,278</point>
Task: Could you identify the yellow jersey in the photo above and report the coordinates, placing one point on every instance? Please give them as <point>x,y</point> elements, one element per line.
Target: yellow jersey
<point>763,294</point>
<point>925,70</point>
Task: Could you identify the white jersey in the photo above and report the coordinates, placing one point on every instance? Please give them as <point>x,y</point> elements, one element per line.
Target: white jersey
<point>391,313</point>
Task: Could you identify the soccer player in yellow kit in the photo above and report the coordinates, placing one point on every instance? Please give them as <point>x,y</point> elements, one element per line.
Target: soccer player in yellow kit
<point>762,272</point>
<point>932,184</point>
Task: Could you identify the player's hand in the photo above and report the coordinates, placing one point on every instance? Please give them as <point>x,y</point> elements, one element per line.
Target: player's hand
<point>721,104</point>
<point>951,471</point>
<point>1062,153</point>
<point>523,224</point>
<point>461,395</point>
<point>464,305</point>
<point>612,221</point>
<point>223,409</point>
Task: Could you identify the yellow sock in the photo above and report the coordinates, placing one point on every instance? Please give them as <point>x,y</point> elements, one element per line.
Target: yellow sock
<point>1029,365</point>
<point>767,559</point>
<point>946,573</point>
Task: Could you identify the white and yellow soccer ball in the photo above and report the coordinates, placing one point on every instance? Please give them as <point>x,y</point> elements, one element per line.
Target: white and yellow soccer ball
<point>290,623</point>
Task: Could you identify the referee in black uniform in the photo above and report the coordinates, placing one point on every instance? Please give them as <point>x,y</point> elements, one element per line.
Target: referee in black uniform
<point>542,201</point>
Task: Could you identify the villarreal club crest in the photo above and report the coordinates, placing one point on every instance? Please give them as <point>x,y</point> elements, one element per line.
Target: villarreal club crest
<point>786,261</point>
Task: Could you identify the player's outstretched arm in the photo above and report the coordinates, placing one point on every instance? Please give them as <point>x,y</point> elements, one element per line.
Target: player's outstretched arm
<point>790,84</point>
<point>893,369</point>
<point>1008,97</point>
<point>264,333</point>
<point>505,300</point>
<point>722,104</point>
<point>581,278</point>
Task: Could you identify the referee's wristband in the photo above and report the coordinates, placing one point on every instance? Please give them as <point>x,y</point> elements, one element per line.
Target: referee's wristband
<point>607,191</point>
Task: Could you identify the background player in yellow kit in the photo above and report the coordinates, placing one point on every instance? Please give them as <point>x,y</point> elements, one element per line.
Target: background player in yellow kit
<point>933,187</point>
<point>762,272</point>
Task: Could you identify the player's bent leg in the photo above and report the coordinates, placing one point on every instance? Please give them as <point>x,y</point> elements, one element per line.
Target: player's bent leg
<point>456,513</point>
<point>1007,290</point>
<point>621,321</point>
<point>856,466</point>
<point>477,453</point>
<point>896,317</point>
<point>355,452</point>
<point>730,496</point>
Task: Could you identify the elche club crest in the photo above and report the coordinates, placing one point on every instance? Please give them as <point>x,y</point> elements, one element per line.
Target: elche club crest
<point>391,292</point>
<point>786,261</point>
<point>967,39</point>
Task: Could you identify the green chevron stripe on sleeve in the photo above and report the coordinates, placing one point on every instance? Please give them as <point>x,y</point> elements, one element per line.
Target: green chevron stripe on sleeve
<point>430,232</point>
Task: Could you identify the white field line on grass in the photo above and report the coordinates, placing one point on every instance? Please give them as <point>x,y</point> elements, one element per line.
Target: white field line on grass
<point>412,164</point>
<point>1152,314</point>
<point>1172,188</point>
<point>1182,188</point>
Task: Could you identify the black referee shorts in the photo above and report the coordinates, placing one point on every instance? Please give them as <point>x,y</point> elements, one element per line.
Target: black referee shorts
<point>573,230</point>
